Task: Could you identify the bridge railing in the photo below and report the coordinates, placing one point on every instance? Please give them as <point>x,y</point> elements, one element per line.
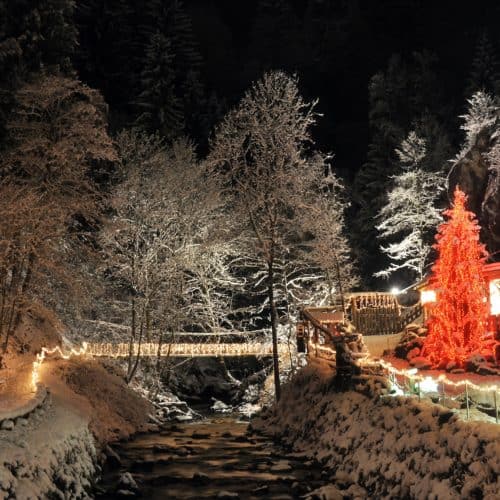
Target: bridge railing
<point>120,350</point>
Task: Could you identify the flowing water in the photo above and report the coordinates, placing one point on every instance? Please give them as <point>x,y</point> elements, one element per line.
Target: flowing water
<point>214,458</point>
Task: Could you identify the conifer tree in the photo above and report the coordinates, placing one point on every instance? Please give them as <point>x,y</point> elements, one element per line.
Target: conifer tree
<point>410,212</point>
<point>485,71</point>
<point>404,95</point>
<point>160,108</point>
<point>458,320</point>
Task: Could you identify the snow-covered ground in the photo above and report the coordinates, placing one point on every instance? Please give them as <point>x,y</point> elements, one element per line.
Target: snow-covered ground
<point>51,454</point>
<point>384,446</point>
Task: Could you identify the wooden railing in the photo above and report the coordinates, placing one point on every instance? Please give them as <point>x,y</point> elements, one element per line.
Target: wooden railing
<point>381,314</point>
<point>319,332</point>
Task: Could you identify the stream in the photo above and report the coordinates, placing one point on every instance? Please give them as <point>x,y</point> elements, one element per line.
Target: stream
<point>212,458</point>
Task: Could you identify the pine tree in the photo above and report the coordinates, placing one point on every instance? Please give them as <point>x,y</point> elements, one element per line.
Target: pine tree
<point>275,39</point>
<point>403,96</point>
<point>482,115</point>
<point>410,212</point>
<point>109,56</point>
<point>459,318</point>
<point>34,34</point>
<point>160,108</point>
<point>58,33</point>
<point>485,71</point>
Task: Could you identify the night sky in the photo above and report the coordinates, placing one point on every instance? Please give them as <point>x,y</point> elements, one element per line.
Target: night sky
<point>362,37</point>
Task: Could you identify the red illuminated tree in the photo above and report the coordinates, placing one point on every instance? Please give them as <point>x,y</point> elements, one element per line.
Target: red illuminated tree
<point>457,325</point>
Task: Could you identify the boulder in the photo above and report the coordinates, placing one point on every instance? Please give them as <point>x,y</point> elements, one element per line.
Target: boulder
<point>226,495</point>
<point>125,494</point>
<point>220,407</point>
<point>127,482</point>
<point>200,477</point>
<point>7,425</point>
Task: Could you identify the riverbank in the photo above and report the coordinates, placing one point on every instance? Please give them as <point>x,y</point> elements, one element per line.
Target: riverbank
<point>55,450</point>
<point>384,447</point>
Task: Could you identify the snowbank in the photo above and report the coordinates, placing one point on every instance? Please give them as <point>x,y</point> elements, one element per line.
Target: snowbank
<point>392,447</point>
<point>53,450</point>
<point>50,454</point>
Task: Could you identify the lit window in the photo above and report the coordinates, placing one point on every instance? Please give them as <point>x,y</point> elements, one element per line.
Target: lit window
<point>495,297</point>
<point>427,296</point>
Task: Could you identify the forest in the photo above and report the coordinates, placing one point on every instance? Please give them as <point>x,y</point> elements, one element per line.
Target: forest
<point>211,197</point>
<point>162,176</point>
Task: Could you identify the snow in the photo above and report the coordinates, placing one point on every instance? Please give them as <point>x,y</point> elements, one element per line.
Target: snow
<point>59,461</point>
<point>410,214</point>
<point>388,446</point>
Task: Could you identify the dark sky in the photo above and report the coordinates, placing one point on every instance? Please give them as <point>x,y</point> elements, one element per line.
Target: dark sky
<point>359,37</point>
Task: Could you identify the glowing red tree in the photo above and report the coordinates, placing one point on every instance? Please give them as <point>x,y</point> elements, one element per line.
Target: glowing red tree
<point>458,322</point>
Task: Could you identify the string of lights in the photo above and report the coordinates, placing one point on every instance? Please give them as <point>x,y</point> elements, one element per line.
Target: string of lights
<point>40,358</point>
<point>459,316</point>
<point>121,350</point>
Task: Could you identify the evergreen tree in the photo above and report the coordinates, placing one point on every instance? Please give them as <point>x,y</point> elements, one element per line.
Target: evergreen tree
<point>275,39</point>
<point>161,109</point>
<point>485,71</point>
<point>407,93</point>
<point>33,34</point>
<point>109,56</point>
<point>410,213</point>
<point>459,318</point>
<point>481,116</point>
<point>58,33</point>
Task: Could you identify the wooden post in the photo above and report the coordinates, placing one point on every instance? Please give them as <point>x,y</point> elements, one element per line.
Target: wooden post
<point>496,405</point>
<point>467,400</point>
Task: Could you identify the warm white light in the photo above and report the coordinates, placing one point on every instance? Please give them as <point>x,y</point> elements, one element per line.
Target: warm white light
<point>494,297</point>
<point>428,384</point>
<point>395,290</point>
<point>427,296</point>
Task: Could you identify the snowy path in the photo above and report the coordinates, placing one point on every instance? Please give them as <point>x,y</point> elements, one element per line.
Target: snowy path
<point>50,451</point>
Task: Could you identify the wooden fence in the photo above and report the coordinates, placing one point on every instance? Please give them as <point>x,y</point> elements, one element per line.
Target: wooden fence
<point>381,313</point>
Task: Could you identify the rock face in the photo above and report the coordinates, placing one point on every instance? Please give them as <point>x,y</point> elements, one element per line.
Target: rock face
<point>474,176</point>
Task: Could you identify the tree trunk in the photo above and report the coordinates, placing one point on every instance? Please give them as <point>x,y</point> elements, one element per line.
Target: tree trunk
<point>274,328</point>
<point>339,281</point>
<point>132,337</point>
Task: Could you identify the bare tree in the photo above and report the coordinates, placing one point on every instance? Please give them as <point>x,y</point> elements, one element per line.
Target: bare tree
<point>260,152</point>
<point>330,251</point>
<point>162,243</point>
<point>56,136</point>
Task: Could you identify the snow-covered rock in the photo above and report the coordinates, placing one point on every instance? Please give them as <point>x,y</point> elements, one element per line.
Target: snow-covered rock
<point>127,482</point>
<point>7,425</point>
<point>220,407</point>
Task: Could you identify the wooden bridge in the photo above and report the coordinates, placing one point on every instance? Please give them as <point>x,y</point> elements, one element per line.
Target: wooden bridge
<point>184,350</point>
<point>322,331</point>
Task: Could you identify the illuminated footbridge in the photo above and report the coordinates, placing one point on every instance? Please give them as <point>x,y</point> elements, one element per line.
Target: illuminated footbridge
<point>120,350</point>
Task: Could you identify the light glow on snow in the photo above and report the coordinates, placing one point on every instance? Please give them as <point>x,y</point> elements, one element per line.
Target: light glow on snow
<point>413,374</point>
<point>40,358</point>
<point>428,384</point>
